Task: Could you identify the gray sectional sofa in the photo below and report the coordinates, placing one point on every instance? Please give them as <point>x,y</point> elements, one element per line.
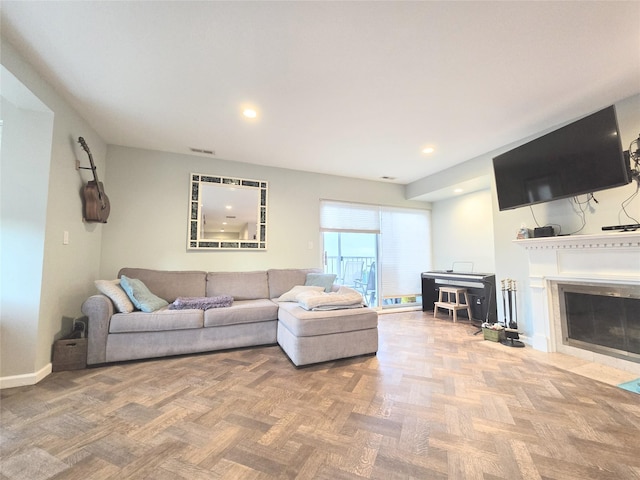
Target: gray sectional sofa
<point>255,318</point>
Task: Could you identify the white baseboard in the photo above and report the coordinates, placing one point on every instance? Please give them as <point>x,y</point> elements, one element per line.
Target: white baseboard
<point>537,342</point>
<point>25,379</point>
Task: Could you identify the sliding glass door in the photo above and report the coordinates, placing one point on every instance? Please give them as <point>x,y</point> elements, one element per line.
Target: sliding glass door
<point>380,251</point>
<point>352,258</point>
<point>405,252</point>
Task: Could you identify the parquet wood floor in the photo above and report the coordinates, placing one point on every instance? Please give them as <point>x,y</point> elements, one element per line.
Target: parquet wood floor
<point>435,403</point>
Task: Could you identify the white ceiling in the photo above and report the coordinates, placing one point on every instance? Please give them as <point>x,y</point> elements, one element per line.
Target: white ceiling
<point>347,88</point>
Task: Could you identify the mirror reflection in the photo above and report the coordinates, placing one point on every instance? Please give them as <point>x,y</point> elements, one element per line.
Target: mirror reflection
<point>227,213</point>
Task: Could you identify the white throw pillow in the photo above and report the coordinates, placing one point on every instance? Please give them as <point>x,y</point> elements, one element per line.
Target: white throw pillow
<point>291,295</point>
<point>113,290</point>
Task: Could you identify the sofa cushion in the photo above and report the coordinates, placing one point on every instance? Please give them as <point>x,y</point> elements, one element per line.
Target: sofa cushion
<point>240,285</point>
<point>113,290</point>
<point>169,285</point>
<point>242,311</point>
<point>160,320</point>
<point>306,323</point>
<point>283,280</point>
<point>141,296</point>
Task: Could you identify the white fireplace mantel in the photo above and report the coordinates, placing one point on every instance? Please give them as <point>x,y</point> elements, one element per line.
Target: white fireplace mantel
<point>613,256</point>
<point>603,258</point>
<point>614,239</point>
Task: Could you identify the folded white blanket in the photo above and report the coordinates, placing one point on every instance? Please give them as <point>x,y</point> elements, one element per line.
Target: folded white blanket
<point>337,307</point>
<point>345,297</point>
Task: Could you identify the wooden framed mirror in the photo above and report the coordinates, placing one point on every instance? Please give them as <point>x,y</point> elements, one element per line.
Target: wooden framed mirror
<point>227,213</point>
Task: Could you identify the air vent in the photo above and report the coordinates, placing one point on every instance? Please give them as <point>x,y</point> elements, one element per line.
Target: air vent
<point>202,150</point>
<point>388,178</point>
<point>231,216</point>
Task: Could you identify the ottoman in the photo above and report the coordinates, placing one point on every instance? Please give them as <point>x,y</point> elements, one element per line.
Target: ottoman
<point>318,336</point>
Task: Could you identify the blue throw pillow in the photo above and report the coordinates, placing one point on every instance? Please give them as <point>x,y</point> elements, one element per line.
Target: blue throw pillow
<point>140,295</point>
<point>324,280</point>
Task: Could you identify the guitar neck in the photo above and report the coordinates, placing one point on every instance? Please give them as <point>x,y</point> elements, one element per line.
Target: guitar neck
<point>94,170</point>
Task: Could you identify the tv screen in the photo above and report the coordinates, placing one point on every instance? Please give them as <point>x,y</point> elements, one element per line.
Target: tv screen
<point>583,157</point>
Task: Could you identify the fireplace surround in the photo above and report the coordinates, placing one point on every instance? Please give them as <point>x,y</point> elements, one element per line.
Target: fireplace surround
<point>608,264</point>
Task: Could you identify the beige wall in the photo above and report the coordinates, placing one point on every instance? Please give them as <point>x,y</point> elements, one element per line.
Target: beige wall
<point>463,232</point>
<point>510,259</point>
<point>67,271</point>
<point>149,193</point>
<point>147,227</point>
<point>23,203</point>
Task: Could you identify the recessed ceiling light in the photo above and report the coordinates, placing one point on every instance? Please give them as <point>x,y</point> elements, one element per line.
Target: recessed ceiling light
<point>249,113</point>
<point>458,190</point>
<point>428,150</point>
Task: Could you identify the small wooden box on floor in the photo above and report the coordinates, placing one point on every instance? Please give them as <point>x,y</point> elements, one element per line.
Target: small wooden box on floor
<point>493,335</point>
<point>69,354</point>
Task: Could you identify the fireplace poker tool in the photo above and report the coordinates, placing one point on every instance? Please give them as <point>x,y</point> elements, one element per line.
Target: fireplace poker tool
<point>509,302</point>
<point>504,303</point>
<point>515,303</point>
<point>511,328</point>
<point>513,312</point>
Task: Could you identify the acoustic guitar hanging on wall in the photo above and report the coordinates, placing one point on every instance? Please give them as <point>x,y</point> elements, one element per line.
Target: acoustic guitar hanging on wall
<point>96,202</point>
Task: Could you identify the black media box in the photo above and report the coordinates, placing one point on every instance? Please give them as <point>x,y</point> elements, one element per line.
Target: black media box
<point>543,232</point>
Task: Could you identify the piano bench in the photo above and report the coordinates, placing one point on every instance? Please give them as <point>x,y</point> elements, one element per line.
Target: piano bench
<point>452,305</point>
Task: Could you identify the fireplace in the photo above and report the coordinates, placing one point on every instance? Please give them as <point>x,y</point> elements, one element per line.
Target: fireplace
<point>597,279</point>
<point>602,318</point>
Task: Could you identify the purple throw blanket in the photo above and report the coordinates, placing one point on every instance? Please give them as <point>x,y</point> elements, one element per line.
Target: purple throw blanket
<point>202,303</point>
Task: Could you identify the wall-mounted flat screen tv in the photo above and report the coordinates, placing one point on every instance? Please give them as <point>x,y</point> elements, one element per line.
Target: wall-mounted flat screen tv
<point>583,157</point>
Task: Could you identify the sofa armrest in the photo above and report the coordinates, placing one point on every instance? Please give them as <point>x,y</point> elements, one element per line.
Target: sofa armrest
<point>98,309</point>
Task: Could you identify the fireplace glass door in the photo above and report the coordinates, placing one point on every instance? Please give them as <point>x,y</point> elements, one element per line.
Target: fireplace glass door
<point>602,318</point>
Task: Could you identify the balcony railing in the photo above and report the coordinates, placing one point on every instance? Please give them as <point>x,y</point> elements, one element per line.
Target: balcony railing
<point>338,265</point>
<point>342,267</point>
